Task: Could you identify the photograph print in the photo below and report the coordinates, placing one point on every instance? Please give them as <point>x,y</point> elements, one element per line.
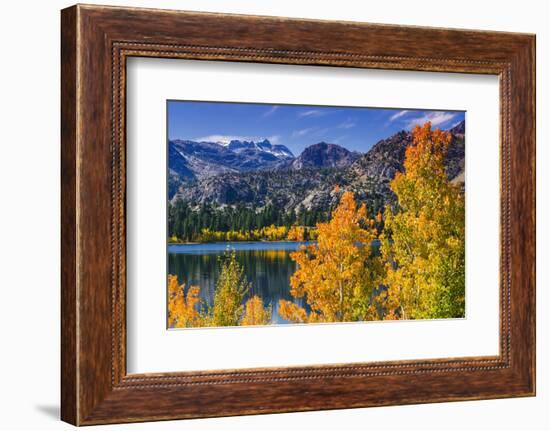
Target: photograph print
<point>297,214</point>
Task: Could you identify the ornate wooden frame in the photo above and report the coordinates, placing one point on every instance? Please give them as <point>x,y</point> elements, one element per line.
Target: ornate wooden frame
<point>96,41</point>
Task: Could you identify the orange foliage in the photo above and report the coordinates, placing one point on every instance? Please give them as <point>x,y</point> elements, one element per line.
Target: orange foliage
<point>181,309</point>
<point>337,275</point>
<point>419,274</point>
<point>292,312</point>
<point>255,313</point>
<point>424,240</point>
<point>296,233</point>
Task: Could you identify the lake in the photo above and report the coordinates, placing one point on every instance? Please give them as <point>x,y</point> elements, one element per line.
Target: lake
<point>267,266</point>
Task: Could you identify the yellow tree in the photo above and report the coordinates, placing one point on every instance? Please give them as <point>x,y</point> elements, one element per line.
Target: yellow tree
<point>227,308</point>
<point>231,289</point>
<point>255,313</point>
<point>337,275</point>
<point>423,242</point>
<point>182,312</point>
<point>296,233</point>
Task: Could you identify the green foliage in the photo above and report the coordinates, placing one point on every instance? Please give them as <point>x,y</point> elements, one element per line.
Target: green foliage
<point>255,312</point>
<point>418,272</point>
<point>210,223</point>
<point>231,289</point>
<point>228,309</point>
<point>338,275</point>
<point>240,223</point>
<point>423,243</point>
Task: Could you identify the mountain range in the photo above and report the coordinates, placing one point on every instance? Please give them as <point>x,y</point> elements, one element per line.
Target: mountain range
<point>256,174</point>
<point>205,159</point>
<point>191,161</point>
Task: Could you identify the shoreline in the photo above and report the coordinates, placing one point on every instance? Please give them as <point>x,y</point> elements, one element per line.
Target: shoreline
<point>235,241</point>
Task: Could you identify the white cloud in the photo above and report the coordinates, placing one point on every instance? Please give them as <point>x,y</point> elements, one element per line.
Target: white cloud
<point>303,132</point>
<point>312,132</point>
<point>339,139</point>
<point>226,139</point>
<point>311,113</point>
<point>436,118</point>
<point>275,139</point>
<point>348,124</point>
<point>270,111</point>
<point>397,115</point>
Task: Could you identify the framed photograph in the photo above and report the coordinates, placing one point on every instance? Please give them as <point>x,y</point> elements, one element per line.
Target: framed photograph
<point>264,215</point>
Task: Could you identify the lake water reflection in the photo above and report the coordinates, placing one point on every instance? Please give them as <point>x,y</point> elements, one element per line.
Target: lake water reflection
<point>267,266</point>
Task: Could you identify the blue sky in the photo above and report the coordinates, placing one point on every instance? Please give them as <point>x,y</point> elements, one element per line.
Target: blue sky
<point>296,126</point>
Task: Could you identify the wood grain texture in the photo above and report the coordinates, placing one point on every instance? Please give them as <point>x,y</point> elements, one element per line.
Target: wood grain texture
<point>96,41</point>
<point>69,397</point>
